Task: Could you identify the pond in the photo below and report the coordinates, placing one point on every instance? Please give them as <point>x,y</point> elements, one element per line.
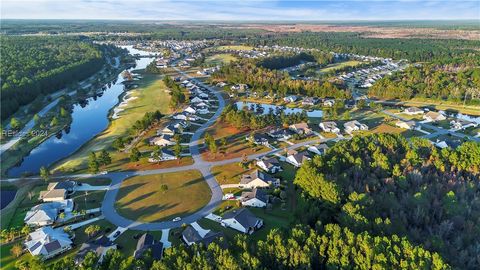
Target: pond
<point>267,107</point>
<point>88,120</point>
<point>6,196</point>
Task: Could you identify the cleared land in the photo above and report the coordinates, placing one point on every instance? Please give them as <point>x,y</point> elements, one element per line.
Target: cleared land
<point>150,95</point>
<point>339,65</point>
<point>234,47</point>
<point>229,173</point>
<point>219,59</point>
<point>142,198</point>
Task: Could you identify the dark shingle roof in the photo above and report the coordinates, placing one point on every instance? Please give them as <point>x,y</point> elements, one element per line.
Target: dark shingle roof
<point>242,216</point>
<point>146,242</point>
<point>255,193</point>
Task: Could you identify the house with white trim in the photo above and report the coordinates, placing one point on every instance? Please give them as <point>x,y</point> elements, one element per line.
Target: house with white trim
<point>258,179</point>
<point>48,242</point>
<point>318,149</point>
<point>255,198</point>
<point>354,125</point>
<point>413,111</point>
<point>242,220</point>
<point>329,127</point>
<point>298,159</point>
<point>434,116</point>
<point>270,165</point>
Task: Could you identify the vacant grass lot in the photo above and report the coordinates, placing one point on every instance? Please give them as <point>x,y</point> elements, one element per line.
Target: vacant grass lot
<point>235,47</point>
<point>229,173</point>
<point>339,65</point>
<point>219,59</point>
<point>151,95</point>
<point>141,198</point>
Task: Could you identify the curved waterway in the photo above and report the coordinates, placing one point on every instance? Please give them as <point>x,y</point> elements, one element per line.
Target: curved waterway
<point>88,120</point>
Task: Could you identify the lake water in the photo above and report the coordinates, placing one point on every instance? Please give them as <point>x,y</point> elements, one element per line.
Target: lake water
<point>87,121</point>
<point>267,107</point>
<point>6,196</point>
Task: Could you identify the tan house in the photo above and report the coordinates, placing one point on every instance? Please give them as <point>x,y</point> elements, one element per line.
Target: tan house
<point>434,117</point>
<point>301,128</point>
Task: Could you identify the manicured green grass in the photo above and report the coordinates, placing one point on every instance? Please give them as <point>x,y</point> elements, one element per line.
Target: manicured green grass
<point>141,197</point>
<point>339,65</point>
<point>151,95</point>
<point>219,59</point>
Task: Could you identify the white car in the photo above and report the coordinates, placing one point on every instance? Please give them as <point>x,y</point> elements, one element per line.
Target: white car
<point>176,219</point>
<point>104,172</point>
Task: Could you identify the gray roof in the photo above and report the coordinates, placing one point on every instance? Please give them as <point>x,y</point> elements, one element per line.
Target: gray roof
<point>242,216</point>
<point>146,242</point>
<point>97,246</point>
<point>301,157</point>
<point>247,178</point>
<point>255,193</point>
<point>270,162</point>
<point>191,235</point>
<point>68,185</point>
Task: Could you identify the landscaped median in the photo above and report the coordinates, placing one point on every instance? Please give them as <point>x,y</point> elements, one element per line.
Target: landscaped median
<point>161,197</point>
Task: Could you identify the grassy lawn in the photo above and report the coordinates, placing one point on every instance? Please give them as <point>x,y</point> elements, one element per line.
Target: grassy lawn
<point>339,65</point>
<point>151,95</point>
<point>229,173</point>
<point>141,198</point>
<point>234,47</point>
<point>219,59</point>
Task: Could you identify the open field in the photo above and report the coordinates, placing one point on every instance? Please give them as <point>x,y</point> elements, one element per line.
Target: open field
<point>339,65</point>
<point>229,173</point>
<point>219,59</point>
<point>437,105</point>
<point>237,145</point>
<point>234,47</point>
<point>141,197</point>
<point>151,95</point>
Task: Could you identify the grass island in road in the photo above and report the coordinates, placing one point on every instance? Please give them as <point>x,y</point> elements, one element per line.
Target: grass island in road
<point>142,198</point>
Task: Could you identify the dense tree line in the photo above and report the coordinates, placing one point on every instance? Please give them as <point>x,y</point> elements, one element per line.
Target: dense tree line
<point>271,82</point>
<point>176,92</point>
<point>285,60</point>
<point>248,118</point>
<point>439,50</point>
<point>386,185</point>
<point>326,247</point>
<point>32,66</point>
<point>430,81</point>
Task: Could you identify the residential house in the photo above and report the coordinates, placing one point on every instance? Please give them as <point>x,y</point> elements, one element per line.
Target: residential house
<point>47,213</point>
<point>434,116</point>
<point>48,242</point>
<point>290,98</point>
<point>309,101</point>
<point>258,138</point>
<point>196,100</point>
<point>298,158</point>
<point>329,127</point>
<point>329,102</point>
<point>270,165</point>
<point>452,143</point>
<point>349,103</point>
<point>279,133</point>
<point>459,124</point>
<point>145,243</point>
<point>258,179</point>
<point>242,220</point>
<point>318,149</point>
<point>354,125</point>
<point>301,128</point>
<point>58,191</point>
<point>164,140</point>
<point>169,130</point>
<point>406,124</point>
<point>191,236</point>
<point>201,110</point>
<point>99,246</point>
<point>413,111</point>
<point>255,198</point>
<point>190,110</point>
<point>164,156</point>
<point>68,185</point>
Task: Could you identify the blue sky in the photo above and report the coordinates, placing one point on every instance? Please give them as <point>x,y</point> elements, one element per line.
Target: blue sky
<point>240,10</point>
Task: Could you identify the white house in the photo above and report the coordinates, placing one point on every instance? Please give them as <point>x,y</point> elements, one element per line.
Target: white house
<point>191,110</point>
<point>164,156</point>
<point>298,158</point>
<point>354,126</point>
<point>329,102</point>
<point>48,242</point>
<point>270,165</point>
<point>47,213</point>
<point>329,127</point>
<point>168,130</point>
<point>434,116</point>
<point>412,111</point>
<point>164,140</point>
<point>258,138</point>
<point>406,124</point>
<point>241,220</point>
<point>258,179</point>
<point>318,149</point>
<point>462,124</point>
<point>255,198</point>
<point>290,98</point>
<point>196,100</point>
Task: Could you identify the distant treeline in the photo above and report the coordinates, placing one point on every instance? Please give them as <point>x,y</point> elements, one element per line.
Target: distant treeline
<point>32,66</point>
<point>439,50</point>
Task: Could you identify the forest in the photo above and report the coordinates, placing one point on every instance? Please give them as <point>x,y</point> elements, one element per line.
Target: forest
<point>415,50</point>
<point>33,66</point>
<point>266,81</point>
<point>454,83</point>
<point>385,185</point>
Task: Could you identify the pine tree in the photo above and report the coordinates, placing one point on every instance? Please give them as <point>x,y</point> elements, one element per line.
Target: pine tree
<point>93,163</point>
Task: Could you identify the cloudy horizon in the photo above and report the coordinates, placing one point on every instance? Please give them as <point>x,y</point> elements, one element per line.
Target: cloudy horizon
<point>264,10</point>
